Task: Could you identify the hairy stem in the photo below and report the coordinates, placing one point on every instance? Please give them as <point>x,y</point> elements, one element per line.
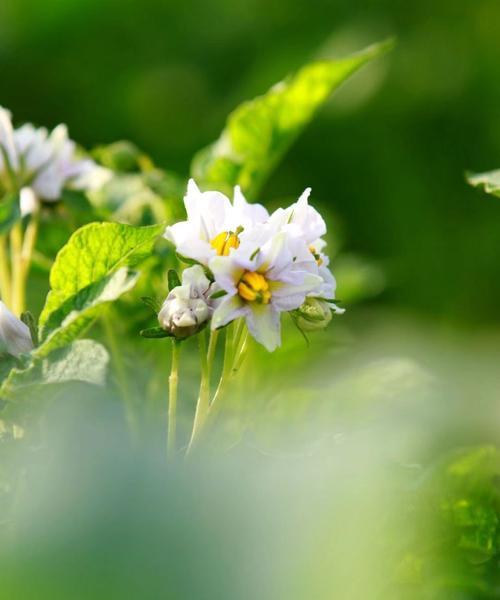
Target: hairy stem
<point>172,400</point>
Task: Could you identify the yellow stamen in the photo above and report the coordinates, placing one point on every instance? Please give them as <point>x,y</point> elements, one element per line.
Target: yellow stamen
<point>223,242</point>
<point>317,257</point>
<point>254,287</point>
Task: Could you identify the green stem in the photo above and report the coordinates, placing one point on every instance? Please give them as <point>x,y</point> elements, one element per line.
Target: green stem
<point>172,400</point>
<point>5,284</point>
<point>203,404</point>
<point>17,292</point>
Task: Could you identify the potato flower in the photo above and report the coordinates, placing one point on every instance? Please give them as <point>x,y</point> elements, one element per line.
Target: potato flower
<point>41,164</point>
<point>214,225</point>
<point>260,283</point>
<point>306,226</point>
<point>15,337</point>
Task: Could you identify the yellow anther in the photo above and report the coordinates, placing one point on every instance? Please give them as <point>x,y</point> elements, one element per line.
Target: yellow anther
<point>254,287</point>
<point>317,256</point>
<point>223,242</point>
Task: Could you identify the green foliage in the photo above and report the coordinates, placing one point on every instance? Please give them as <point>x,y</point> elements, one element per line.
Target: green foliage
<point>9,212</point>
<point>83,360</point>
<point>92,269</point>
<point>259,132</point>
<point>173,279</point>
<point>489,182</point>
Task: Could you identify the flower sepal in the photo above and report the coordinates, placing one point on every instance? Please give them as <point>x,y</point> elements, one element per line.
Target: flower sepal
<point>155,333</point>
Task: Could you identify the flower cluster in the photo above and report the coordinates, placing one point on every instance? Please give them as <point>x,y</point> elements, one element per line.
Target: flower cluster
<point>254,264</point>
<point>40,164</point>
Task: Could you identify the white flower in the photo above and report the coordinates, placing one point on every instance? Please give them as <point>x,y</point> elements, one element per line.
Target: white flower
<point>214,225</point>
<point>44,162</point>
<point>261,282</point>
<point>188,306</point>
<point>15,337</point>
<point>306,227</point>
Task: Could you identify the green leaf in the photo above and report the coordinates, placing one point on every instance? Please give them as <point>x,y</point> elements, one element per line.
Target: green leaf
<point>259,132</point>
<point>29,320</point>
<point>7,363</point>
<point>90,270</point>
<point>173,279</point>
<point>152,303</point>
<point>10,212</point>
<point>75,314</point>
<point>83,360</point>
<point>155,333</point>
<point>489,182</point>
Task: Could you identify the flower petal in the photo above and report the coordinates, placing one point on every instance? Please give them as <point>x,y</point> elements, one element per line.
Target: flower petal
<point>264,324</point>
<point>229,309</point>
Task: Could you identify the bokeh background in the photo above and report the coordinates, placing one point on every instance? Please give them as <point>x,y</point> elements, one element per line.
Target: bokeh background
<point>387,156</point>
<point>363,466</point>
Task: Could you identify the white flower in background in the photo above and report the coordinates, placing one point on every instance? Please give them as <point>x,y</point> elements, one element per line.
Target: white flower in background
<point>261,282</point>
<point>188,306</point>
<point>15,337</point>
<point>44,163</point>
<point>214,225</point>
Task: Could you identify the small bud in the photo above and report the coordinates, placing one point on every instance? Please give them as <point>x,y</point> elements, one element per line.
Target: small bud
<point>187,307</point>
<point>15,336</point>
<point>313,315</point>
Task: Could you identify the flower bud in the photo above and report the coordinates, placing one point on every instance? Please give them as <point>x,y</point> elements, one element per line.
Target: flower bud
<point>188,306</point>
<point>15,336</point>
<point>314,314</point>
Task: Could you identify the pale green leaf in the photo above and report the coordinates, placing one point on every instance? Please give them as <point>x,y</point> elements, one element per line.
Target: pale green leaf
<point>90,270</point>
<point>260,131</point>
<point>83,360</point>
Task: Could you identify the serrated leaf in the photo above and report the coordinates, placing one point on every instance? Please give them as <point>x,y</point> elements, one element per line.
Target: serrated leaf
<point>489,181</point>
<point>10,212</point>
<point>83,360</point>
<point>260,131</point>
<point>77,312</point>
<point>90,270</point>
<point>173,279</point>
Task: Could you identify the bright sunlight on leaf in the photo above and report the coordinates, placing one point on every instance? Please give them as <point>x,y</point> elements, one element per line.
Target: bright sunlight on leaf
<point>259,132</point>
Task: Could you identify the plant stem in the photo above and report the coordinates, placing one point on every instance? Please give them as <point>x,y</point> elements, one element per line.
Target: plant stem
<point>172,399</point>
<point>17,292</point>
<point>30,236</point>
<point>5,283</point>
<point>203,404</point>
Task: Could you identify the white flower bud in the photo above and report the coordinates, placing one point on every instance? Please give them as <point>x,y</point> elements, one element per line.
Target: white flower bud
<point>15,337</point>
<point>188,306</point>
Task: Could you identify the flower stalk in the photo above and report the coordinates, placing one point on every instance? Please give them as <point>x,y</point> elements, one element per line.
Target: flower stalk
<point>173,381</point>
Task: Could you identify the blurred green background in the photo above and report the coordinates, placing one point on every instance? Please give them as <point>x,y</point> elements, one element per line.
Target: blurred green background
<point>387,155</point>
<point>339,472</point>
